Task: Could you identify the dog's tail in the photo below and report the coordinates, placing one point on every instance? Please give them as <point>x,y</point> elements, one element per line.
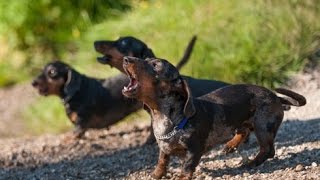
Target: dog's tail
<point>187,53</point>
<point>294,99</point>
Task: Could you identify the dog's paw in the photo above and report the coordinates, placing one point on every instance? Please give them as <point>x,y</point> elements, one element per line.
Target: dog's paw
<point>186,176</point>
<point>158,173</point>
<point>69,138</point>
<point>249,164</point>
<point>228,149</point>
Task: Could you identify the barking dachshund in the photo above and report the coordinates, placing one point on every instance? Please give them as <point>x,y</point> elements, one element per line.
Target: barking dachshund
<point>88,102</point>
<point>114,51</point>
<point>188,127</point>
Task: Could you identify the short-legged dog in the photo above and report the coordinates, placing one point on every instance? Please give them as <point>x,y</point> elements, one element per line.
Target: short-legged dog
<point>188,127</point>
<point>114,51</point>
<point>89,102</point>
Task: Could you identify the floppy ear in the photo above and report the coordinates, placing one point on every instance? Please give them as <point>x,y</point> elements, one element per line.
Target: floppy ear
<point>189,108</point>
<point>72,84</point>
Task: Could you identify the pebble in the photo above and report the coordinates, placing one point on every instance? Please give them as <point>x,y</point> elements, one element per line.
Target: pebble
<point>314,164</point>
<point>299,167</point>
<point>245,174</point>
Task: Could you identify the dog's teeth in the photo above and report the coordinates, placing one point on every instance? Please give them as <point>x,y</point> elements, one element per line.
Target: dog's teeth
<point>125,88</point>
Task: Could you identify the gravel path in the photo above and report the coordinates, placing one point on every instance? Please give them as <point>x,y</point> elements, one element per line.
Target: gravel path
<point>13,100</point>
<point>120,153</point>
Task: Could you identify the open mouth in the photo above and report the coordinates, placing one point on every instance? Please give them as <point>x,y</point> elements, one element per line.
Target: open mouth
<point>104,59</point>
<point>133,85</point>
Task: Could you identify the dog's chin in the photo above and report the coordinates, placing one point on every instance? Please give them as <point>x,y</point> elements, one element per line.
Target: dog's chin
<point>43,92</point>
<point>129,94</point>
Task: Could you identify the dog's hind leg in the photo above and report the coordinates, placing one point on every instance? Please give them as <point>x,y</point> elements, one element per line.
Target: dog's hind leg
<point>240,136</point>
<point>266,123</point>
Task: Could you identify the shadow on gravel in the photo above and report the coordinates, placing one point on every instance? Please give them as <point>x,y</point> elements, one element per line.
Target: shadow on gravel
<point>295,132</point>
<point>118,164</point>
<point>114,165</point>
<point>291,133</point>
<point>305,158</point>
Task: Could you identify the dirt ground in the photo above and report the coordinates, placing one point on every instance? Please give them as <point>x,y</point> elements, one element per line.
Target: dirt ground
<point>120,153</point>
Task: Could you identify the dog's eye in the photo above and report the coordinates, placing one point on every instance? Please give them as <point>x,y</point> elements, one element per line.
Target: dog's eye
<point>156,66</point>
<point>52,73</point>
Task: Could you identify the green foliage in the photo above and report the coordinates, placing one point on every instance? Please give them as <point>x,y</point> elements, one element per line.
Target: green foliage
<point>47,115</point>
<point>257,42</point>
<point>47,29</point>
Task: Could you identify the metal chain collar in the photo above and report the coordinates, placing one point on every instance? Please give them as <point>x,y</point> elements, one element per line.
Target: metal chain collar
<point>168,135</point>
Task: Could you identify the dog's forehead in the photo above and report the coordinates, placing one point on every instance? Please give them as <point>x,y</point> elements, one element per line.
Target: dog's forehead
<point>125,41</point>
<point>55,65</point>
<point>167,70</point>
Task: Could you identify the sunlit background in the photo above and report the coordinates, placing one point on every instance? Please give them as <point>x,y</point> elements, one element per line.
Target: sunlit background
<point>260,42</point>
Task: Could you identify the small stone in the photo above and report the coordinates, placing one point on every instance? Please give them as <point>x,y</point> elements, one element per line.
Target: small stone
<point>314,164</point>
<point>299,167</point>
<point>245,174</point>
<point>280,152</point>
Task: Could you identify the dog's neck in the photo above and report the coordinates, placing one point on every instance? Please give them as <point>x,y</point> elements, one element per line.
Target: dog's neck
<point>168,112</point>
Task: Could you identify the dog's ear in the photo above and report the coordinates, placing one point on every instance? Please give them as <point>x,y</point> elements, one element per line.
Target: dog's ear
<point>189,108</point>
<point>72,84</point>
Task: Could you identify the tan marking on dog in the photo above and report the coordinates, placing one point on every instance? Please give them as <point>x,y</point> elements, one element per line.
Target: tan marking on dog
<point>54,86</point>
<point>117,58</point>
<point>73,117</point>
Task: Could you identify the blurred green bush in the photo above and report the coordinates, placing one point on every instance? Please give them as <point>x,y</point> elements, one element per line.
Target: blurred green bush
<point>36,31</point>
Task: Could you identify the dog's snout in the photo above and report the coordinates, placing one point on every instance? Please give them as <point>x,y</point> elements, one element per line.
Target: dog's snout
<point>35,83</point>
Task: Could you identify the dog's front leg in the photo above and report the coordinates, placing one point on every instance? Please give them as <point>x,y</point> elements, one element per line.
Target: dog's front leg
<point>191,161</point>
<point>78,132</point>
<point>161,168</point>
<point>151,139</point>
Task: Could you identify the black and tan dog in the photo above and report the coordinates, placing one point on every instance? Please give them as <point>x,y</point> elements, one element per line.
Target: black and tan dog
<point>114,51</point>
<point>188,127</point>
<point>89,102</point>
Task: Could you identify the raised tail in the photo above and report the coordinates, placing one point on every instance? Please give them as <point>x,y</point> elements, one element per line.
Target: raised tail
<point>187,53</point>
<point>294,99</point>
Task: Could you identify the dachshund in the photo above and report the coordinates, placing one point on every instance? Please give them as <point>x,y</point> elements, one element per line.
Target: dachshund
<point>88,102</point>
<point>114,51</point>
<point>187,127</point>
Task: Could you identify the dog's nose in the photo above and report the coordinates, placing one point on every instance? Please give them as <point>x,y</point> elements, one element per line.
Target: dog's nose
<point>34,83</point>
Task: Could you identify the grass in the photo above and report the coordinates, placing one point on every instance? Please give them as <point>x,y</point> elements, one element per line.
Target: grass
<point>260,42</point>
<point>46,116</point>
